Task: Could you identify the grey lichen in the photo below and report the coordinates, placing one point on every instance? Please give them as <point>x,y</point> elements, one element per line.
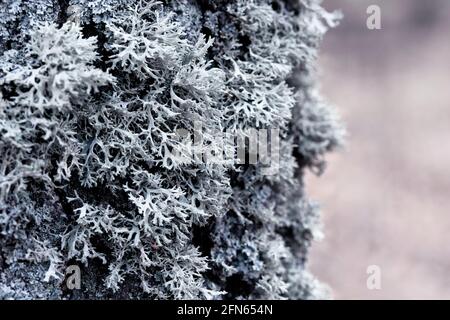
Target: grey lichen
<point>92,95</point>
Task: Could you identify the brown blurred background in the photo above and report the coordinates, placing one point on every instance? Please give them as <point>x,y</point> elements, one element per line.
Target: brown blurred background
<point>386,197</point>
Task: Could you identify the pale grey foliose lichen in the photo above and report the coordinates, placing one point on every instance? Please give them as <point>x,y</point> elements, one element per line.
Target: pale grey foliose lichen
<point>92,93</point>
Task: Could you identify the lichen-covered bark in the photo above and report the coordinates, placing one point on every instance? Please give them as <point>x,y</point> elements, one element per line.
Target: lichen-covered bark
<point>92,94</point>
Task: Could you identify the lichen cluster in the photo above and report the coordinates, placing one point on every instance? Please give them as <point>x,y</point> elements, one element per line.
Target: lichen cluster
<point>92,94</point>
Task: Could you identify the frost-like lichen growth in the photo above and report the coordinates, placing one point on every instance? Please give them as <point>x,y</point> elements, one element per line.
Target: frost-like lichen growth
<point>93,97</point>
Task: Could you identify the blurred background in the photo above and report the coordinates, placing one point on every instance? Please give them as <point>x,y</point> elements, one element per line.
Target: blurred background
<point>386,197</point>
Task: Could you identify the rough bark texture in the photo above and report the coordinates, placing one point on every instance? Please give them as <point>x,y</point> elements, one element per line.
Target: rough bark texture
<point>92,93</point>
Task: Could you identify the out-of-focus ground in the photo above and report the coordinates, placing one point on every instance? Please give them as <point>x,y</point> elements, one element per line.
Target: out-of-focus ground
<point>386,197</point>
